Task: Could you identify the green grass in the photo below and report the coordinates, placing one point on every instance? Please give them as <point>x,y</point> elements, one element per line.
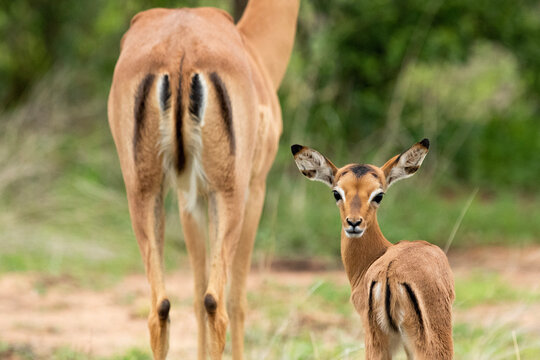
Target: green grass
<point>317,321</point>
<point>133,354</point>
<point>493,344</point>
<point>27,353</point>
<point>489,288</point>
<point>321,323</point>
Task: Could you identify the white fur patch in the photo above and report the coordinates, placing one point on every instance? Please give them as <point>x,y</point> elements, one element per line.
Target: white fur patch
<point>401,313</point>
<point>197,175</point>
<point>373,194</point>
<point>166,142</point>
<point>377,291</point>
<point>204,98</point>
<point>341,192</point>
<point>379,308</point>
<point>354,235</point>
<point>381,318</point>
<point>401,316</point>
<point>194,147</point>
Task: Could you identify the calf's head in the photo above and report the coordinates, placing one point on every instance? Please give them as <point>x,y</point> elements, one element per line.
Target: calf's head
<point>359,188</point>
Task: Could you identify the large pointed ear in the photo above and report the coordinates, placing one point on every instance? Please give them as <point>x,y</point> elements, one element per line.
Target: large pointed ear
<point>405,164</point>
<point>314,165</point>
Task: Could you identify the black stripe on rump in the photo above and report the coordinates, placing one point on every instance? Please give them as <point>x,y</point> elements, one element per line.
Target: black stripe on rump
<point>139,110</point>
<point>226,108</point>
<point>181,159</point>
<point>370,301</point>
<point>387,307</point>
<point>196,98</point>
<point>165,94</point>
<point>416,305</point>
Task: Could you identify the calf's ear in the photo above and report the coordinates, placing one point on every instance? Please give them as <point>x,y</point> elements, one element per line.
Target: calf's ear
<point>313,165</point>
<point>405,164</point>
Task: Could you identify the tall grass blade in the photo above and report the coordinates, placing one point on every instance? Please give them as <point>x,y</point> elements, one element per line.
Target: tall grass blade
<point>459,220</point>
<point>516,347</point>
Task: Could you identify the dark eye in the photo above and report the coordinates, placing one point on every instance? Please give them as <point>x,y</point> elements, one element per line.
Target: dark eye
<point>378,198</point>
<point>336,195</point>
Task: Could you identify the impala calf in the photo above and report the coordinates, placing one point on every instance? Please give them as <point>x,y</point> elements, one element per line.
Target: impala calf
<point>403,292</point>
<point>193,104</point>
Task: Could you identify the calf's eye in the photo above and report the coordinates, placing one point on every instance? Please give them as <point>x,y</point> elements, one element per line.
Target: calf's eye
<point>378,198</point>
<point>337,196</point>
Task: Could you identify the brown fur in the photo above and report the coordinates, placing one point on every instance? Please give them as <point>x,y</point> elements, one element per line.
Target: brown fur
<point>200,62</point>
<point>403,292</point>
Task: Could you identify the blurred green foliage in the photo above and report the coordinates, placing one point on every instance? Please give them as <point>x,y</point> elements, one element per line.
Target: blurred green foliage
<point>40,36</point>
<point>465,73</point>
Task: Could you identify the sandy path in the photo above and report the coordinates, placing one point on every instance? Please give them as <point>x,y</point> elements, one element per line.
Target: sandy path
<point>48,313</point>
<point>106,322</point>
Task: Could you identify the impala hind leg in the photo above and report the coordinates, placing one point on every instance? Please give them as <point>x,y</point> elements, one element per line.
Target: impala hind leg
<point>438,347</point>
<point>429,340</point>
<point>194,231</point>
<point>379,344</point>
<point>240,268</point>
<point>377,350</point>
<point>147,216</point>
<point>226,210</point>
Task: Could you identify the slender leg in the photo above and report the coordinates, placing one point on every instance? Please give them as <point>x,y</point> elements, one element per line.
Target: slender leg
<point>228,208</point>
<point>240,268</point>
<point>434,340</point>
<point>377,353</point>
<point>378,344</point>
<point>194,234</point>
<point>147,217</point>
<point>440,348</point>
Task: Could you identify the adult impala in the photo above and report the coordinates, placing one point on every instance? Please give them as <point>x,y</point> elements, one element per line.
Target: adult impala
<point>403,292</point>
<point>193,103</point>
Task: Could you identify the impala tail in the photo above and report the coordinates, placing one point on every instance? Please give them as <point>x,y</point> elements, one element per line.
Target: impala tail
<point>183,107</point>
<point>182,102</point>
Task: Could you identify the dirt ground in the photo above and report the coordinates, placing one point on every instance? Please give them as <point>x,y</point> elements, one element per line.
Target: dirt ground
<point>45,313</point>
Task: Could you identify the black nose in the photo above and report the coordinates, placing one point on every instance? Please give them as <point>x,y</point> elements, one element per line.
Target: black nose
<point>354,223</point>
